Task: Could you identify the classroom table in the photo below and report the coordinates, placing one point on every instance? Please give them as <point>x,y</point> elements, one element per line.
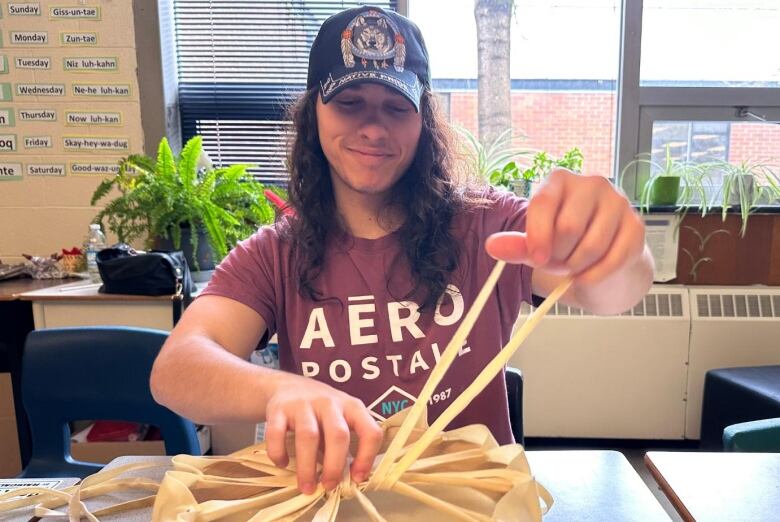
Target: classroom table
<point>586,486</point>
<point>733,487</point>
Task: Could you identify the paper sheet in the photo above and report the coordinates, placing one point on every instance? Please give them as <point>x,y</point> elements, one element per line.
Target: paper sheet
<point>662,238</point>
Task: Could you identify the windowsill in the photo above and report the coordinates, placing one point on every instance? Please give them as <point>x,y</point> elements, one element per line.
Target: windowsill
<point>672,209</point>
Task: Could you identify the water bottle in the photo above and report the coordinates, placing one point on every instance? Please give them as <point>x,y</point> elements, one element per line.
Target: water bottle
<point>96,242</point>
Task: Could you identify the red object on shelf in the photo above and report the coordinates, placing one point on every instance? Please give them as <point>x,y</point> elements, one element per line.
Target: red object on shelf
<point>279,202</point>
<point>116,431</point>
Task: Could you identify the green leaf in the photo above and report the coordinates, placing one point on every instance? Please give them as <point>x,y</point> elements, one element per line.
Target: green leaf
<point>188,162</point>
<point>166,165</point>
<point>509,167</point>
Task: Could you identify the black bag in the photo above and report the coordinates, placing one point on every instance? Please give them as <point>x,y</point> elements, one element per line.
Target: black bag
<point>157,272</point>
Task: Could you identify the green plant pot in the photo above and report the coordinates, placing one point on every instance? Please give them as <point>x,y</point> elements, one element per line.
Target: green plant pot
<point>665,190</point>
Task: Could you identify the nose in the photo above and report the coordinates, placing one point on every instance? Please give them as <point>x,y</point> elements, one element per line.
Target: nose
<point>373,127</point>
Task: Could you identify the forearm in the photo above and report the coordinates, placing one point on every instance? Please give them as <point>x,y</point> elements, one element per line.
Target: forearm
<point>203,382</point>
<point>619,291</point>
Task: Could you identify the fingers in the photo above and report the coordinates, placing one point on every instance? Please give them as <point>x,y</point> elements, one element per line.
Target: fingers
<point>511,247</point>
<point>336,438</point>
<point>626,247</point>
<point>369,439</point>
<point>597,238</point>
<point>577,225</point>
<point>307,439</point>
<point>574,217</point>
<point>540,220</point>
<point>276,437</point>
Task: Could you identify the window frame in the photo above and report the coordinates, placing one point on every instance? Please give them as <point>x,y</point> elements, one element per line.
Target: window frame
<point>640,106</point>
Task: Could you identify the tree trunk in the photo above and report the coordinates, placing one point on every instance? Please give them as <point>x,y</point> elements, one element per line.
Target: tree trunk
<point>493,19</point>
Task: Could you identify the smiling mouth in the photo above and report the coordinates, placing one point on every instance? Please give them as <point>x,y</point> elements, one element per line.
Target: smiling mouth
<point>370,154</point>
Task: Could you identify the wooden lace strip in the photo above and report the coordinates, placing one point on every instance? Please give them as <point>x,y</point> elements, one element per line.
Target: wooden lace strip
<point>417,409</point>
<point>368,507</point>
<point>457,512</point>
<point>479,384</point>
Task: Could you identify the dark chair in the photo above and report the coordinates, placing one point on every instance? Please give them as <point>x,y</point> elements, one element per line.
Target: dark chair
<point>761,436</point>
<point>92,373</point>
<point>734,395</point>
<point>514,390</point>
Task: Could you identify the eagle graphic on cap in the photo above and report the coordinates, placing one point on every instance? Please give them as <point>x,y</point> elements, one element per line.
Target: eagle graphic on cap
<point>373,37</point>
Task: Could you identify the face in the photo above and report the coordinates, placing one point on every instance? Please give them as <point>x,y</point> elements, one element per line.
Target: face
<point>369,135</point>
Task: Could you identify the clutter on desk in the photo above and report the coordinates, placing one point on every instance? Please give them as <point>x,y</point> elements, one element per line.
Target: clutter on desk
<point>37,268</point>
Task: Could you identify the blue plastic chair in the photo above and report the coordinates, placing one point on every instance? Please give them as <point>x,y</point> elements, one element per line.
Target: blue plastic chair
<point>762,436</point>
<point>92,373</point>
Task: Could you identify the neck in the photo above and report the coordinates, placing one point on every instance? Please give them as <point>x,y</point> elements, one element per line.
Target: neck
<point>365,215</point>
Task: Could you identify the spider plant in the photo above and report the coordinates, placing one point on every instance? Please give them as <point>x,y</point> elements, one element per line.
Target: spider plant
<point>500,162</point>
<point>745,184</point>
<point>684,181</point>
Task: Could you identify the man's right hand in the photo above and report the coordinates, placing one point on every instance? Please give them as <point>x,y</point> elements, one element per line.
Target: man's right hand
<point>319,414</point>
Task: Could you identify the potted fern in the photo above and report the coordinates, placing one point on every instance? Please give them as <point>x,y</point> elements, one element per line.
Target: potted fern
<point>174,202</point>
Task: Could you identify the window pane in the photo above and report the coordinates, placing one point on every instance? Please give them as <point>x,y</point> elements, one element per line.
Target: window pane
<point>703,141</point>
<point>563,65</point>
<point>699,141</point>
<point>261,144</point>
<point>707,141</point>
<point>717,43</point>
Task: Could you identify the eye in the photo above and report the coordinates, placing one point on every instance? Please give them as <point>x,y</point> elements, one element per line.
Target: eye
<point>398,108</point>
<point>347,103</point>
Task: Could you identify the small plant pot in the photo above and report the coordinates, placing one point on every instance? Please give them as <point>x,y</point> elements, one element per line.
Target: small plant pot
<point>742,184</point>
<point>665,190</point>
<point>202,264</point>
<point>522,188</point>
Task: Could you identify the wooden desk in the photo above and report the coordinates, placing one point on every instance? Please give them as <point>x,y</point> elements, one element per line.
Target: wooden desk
<point>719,486</point>
<point>586,485</point>
<point>11,289</point>
<point>80,304</point>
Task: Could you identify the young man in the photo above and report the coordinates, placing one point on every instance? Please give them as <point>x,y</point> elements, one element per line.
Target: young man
<point>367,283</point>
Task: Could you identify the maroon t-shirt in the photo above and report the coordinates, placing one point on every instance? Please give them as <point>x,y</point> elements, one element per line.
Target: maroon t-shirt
<point>364,338</point>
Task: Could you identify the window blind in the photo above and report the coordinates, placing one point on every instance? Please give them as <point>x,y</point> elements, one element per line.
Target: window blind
<point>239,64</point>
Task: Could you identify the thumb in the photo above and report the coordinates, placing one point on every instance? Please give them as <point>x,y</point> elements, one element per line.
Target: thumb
<point>511,247</point>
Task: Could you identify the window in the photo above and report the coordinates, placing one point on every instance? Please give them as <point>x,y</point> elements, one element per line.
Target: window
<point>563,66</point>
<point>612,77</point>
<point>239,65</point>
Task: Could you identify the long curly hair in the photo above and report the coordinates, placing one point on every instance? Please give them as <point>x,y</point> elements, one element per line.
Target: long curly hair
<point>430,194</point>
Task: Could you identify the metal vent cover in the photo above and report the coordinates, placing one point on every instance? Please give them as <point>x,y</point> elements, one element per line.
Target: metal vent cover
<point>738,305</point>
<point>653,305</point>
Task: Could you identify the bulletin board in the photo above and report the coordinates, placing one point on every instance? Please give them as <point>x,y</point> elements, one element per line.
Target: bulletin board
<point>69,101</point>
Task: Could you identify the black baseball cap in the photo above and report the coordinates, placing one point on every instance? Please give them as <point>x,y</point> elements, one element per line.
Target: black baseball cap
<point>369,44</point>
